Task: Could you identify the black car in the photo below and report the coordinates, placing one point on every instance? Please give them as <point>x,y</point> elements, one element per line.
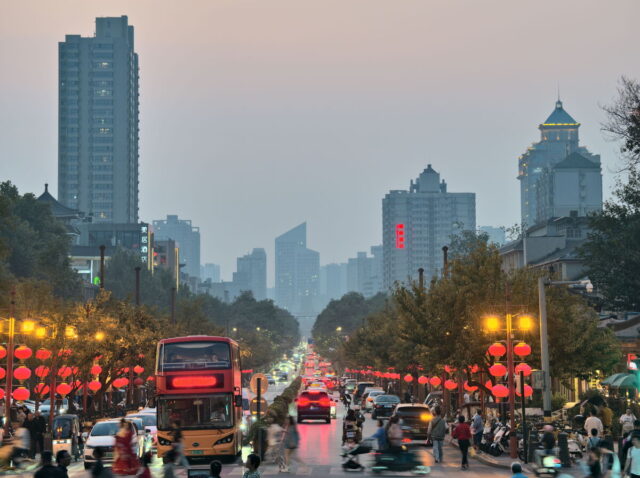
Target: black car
<point>314,405</point>
<point>414,420</point>
<point>383,406</point>
<point>360,387</point>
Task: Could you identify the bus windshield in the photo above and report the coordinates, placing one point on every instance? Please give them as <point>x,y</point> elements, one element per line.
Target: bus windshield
<point>194,356</point>
<point>210,411</point>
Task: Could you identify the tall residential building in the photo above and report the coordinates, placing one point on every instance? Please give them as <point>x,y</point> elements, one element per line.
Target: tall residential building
<point>297,272</point>
<point>364,273</point>
<point>98,122</point>
<point>417,223</point>
<point>252,273</point>
<point>210,272</point>
<point>542,186</point>
<point>187,237</point>
<point>333,281</point>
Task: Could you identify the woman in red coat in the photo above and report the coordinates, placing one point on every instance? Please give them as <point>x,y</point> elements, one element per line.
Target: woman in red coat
<point>125,462</point>
<point>462,433</point>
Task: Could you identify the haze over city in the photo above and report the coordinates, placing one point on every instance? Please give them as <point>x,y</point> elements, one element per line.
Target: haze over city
<point>256,116</point>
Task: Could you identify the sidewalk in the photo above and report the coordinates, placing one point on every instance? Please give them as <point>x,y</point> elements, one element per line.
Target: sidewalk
<point>503,461</point>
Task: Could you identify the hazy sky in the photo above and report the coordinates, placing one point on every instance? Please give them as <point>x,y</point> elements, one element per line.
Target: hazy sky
<point>257,115</point>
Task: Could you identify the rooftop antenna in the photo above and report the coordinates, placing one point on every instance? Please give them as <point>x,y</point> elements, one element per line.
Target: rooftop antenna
<point>558,87</point>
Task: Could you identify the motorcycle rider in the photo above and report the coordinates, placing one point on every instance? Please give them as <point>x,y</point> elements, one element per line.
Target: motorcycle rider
<point>394,434</point>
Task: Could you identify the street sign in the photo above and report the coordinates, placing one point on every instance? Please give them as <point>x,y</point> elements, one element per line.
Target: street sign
<point>264,384</point>
<point>253,406</point>
<point>537,379</point>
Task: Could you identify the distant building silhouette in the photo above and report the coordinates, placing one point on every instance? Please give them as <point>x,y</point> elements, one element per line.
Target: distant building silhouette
<point>188,238</point>
<point>417,223</point>
<point>297,272</point>
<point>558,177</point>
<point>210,271</point>
<point>251,274</point>
<point>98,122</point>
<point>364,273</point>
<point>496,234</point>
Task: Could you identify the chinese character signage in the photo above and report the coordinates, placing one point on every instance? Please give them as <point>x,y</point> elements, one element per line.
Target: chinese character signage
<point>145,246</point>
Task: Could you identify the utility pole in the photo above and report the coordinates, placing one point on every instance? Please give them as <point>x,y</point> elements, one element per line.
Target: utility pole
<point>544,349</point>
<point>173,305</point>
<point>102,248</point>
<point>137,286</point>
<point>445,261</point>
<point>421,278</point>
<point>513,443</point>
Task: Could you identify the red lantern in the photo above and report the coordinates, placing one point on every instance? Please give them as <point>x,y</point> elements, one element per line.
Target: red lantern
<point>63,389</point>
<point>23,353</point>
<point>43,354</point>
<point>94,386</point>
<point>64,353</point>
<point>41,371</point>
<point>64,371</point>
<point>488,385</point>
<point>41,389</point>
<point>450,385</point>
<point>3,354</point>
<point>528,391</point>
<point>524,368</point>
<point>469,388</point>
<point>498,370</point>
<point>151,378</point>
<point>1,393</point>
<point>120,382</point>
<point>500,391</point>
<point>522,349</point>
<point>22,373</point>
<point>449,369</point>
<point>423,380</point>
<point>21,394</point>
<point>3,372</point>
<point>74,370</point>
<point>435,381</point>
<point>497,350</point>
<point>138,382</point>
<point>408,378</point>
<point>475,369</point>
<point>96,370</point>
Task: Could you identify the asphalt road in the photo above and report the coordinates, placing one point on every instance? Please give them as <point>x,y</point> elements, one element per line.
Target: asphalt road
<point>320,456</point>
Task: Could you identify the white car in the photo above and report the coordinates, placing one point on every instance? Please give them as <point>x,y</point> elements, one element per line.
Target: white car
<point>103,435</point>
<point>150,424</point>
<point>371,395</point>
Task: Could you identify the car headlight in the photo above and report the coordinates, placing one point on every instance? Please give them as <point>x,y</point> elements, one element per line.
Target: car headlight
<point>164,441</point>
<point>227,439</point>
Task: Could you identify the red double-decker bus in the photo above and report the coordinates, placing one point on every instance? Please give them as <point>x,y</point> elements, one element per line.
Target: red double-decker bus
<point>198,380</point>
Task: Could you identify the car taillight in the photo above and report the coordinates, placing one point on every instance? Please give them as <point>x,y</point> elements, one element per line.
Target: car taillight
<point>325,402</point>
<point>303,402</point>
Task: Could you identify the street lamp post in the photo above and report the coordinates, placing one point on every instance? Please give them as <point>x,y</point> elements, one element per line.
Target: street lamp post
<point>544,337</point>
<point>513,443</point>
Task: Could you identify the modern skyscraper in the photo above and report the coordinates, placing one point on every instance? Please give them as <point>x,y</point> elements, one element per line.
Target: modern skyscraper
<point>333,281</point>
<point>210,272</point>
<point>559,140</point>
<point>297,272</point>
<point>364,273</point>
<point>187,237</point>
<point>417,223</point>
<point>252,273</point>
<point>98,122</point>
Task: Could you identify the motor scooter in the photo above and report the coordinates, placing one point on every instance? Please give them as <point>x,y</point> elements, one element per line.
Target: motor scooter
<point>402,460</point>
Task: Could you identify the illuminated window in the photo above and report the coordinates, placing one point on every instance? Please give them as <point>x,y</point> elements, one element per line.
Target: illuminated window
<point>399,236</point>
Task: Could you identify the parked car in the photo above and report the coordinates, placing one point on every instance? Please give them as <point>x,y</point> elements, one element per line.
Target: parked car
<point>103,435</point>
<point>383,406</point>
<point>62,404</point>
<point>414,420</point>
<point>314,405</point>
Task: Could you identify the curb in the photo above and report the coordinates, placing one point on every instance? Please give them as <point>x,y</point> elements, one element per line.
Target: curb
<point>490,461</point>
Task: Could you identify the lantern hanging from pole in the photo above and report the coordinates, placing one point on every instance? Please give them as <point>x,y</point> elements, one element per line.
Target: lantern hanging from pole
<point>138,369</point>
<point>423,380</point>
<point>3,353</point>
<point>96,370</point>
<point>500,391</point>
<point>450,384</point>
<point>41,389</point>
<point>497,349</point>
<point>408,378</point>
<point>63,389</point>
<point>150,378</point>
<point>498,370</point>
<point>435,381</point>
<point>94,385</point>
<point>21,394</point>
<point>524,368</point>
<point>528,391</point>
<point>23,353</point>
<point>469,388</point>
<point>521,349</point>
<point>449,369</point>
<point>41,371</point>
<point>138,382</point>
<point>475,369</point>
<point>3,373</point>
<point>1,393</point>
<point>43,354</point>
<point>22,373</point>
